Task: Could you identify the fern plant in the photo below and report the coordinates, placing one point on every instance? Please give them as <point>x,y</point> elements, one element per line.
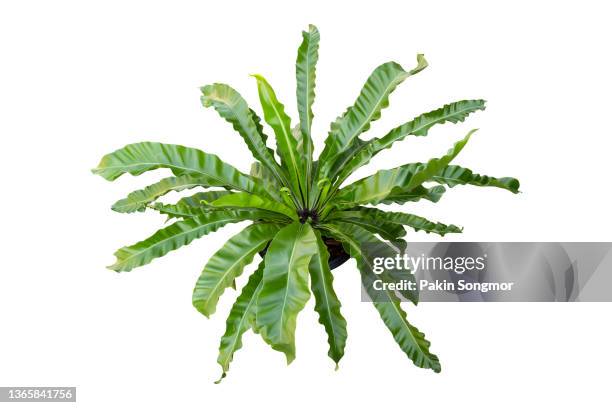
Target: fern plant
<point>300,209</point>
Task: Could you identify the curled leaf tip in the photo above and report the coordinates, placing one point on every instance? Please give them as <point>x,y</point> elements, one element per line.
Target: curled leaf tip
<point>223,375</point>
<point>312,27</point>
<point>113,268</point>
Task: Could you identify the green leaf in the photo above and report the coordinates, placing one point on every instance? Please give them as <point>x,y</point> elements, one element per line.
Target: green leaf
<point>432,194</point>
<point>377,187</point>
<point>376,216</point>
<point>267,179</point>
<point>308,55</point>
<point>232,107</point>
<point>275,116</point>
<point>138,200</point>
<point>360,154</point>
<point>412,341</point>
<point>228,263</point>
<point>408,337</point>
<point>455,175</point>
<point>373,98</point>
<point>387,230</point>
<point>246,200</point>
<point>240,319</point>
<point>190,206</point>
<point>285,286</point>
<point>173,237</point>
<point>327,304</point>
<point>138,158</point>
<point>264,174</point>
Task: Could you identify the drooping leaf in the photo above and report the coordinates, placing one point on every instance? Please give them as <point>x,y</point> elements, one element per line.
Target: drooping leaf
<point>285,286</point>
<point>376,216</point>
<point>191,206</point>
<point>374,97</point>
<point>241,318</point>
<point>456,175</point>
<point>232,107</point>
<point>138,158</point>
<point>228,263</point>
<point>408,337</point>
<point>327,304</point>
<point>173,237</point>
<point>308,55</point>
<point>360,154</point>
<point>138,200</point>
<point>275,116</point>
<point>246,200</point>
<point>375,188</point>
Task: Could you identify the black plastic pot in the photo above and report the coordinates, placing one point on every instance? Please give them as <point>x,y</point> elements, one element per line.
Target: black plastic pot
<point>337,254</point>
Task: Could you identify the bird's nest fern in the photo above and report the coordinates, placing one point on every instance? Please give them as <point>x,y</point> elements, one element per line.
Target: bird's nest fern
<point>299,207</point>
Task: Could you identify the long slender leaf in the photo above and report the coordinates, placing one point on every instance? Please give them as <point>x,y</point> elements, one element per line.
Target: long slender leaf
<point>376,216</point>
<point>228,263</point>
<point>275,116</point>
<point>285,288</point>
<point>191,206</point>
<point>246,200</point>
<point>173,237</point>
<point>360,154</point>
<point>408,337</point>
<point>387,230</point>
<point>232,107</point>
<point>308,55</point>
<point>456,175</point>
<point>241,318</point>
<point>327,304</point>
<point>373,98</point>
<point>377,187</point>
<point>138,158</point>
<point>138,200</point>
<point>432,194</point>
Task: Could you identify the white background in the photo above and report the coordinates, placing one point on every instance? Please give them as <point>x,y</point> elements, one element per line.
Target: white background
<point>80,79</point>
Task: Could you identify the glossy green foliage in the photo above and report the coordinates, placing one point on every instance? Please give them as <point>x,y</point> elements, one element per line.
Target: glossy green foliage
<point>241,318</point>
<point>299,208</point>
<point>327,304</point>
<point>285,288</point>
<point>228,263</point>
